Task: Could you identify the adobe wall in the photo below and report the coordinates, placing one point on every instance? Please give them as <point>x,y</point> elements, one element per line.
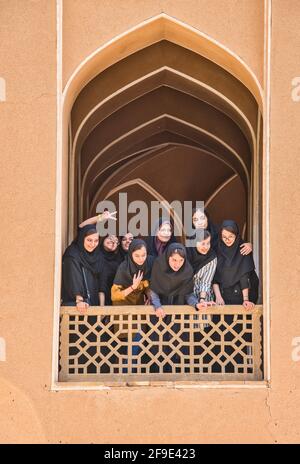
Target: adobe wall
<point>29,411</point>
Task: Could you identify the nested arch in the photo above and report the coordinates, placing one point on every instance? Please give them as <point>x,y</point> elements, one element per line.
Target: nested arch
<point>105,104</point>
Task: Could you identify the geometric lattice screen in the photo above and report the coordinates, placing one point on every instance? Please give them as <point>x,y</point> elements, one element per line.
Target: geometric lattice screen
<point>115,345</point>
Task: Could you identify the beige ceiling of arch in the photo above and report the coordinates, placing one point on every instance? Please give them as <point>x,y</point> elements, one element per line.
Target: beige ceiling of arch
<point>121,128</point>
<point>163,100</point>
<point>161,78</point>
<point>163,94</point>
<point>162,131</point>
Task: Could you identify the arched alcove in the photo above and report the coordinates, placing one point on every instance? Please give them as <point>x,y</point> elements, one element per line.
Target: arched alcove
<point>164,94</point>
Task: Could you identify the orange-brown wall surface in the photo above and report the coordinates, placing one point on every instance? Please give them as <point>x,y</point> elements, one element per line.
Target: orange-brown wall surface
<point>29,410</point>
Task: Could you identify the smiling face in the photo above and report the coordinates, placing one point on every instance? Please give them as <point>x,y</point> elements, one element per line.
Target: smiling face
<point>110,243</point>
<point>126,241</point>
<point>203,247</point>
<point>164,233</point>
<point>91,242</point>
<point>228,237</point>
<point>200,220</point>
<point>139,256</point>
<point>176,261</point>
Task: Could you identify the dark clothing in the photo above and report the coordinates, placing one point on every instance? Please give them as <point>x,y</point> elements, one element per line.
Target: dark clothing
<point>128,268</point>
<point>198,260</point>
<point>155,247</point>
<point>235,272</point>
<point>172,286</point>
<point>213,229</point>
<point>233,295</point>
<point>73,283</point>
<point>159,300</point>
<point>81,270</point>
<point>111,262</point>
<point>89,260</point>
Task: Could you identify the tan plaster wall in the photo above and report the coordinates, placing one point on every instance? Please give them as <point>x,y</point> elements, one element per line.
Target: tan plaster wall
<point>29,412</point>
<point>285,195</point>
<point>89,24</point>
<point>27,205</point>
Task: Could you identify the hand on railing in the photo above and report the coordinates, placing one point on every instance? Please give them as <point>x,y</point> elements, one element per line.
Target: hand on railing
<point>248,304</point>
<point>160,312</point>
<point>205,304</point>
<point>220,301</point>
<point>82,306</point>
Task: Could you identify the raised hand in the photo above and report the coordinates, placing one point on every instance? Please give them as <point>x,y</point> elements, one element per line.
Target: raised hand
<point>107,215</point>
<point>137,278</point>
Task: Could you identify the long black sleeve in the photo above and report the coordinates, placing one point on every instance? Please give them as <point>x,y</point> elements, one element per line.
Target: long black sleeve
<point>72,280</point>
<point>244,281</point>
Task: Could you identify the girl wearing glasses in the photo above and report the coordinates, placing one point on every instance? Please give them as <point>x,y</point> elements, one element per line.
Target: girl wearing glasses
<point>235,281</point>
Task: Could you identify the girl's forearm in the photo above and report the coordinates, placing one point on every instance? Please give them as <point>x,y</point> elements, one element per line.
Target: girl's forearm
<point>102,298</point>
<point>127,291</point>
<point>245,294</point>
<point>90,221</point>
<point>216,289</point>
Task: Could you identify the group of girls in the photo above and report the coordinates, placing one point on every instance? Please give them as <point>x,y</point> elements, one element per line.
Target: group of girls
<point>159,271</point>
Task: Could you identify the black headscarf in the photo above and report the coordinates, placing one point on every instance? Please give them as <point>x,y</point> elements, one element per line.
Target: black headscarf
<point>154,246</point>
<point>232,265</point>
<point>198,260</point>
<point>128,267</point>
<point>212,228</point>
<point>169,283</point>
<point>123,252</point>
<point>110,255</point>
<point>89,260</point>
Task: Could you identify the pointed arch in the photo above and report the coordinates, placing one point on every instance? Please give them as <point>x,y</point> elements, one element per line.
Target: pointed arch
<point>150,31</point>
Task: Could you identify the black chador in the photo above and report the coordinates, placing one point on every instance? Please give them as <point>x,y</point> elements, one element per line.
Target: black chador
<point>235,271</point>
<point>81,270</point>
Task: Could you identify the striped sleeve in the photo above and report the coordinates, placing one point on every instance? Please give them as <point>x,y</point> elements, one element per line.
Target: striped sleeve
<point>203,279</point>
